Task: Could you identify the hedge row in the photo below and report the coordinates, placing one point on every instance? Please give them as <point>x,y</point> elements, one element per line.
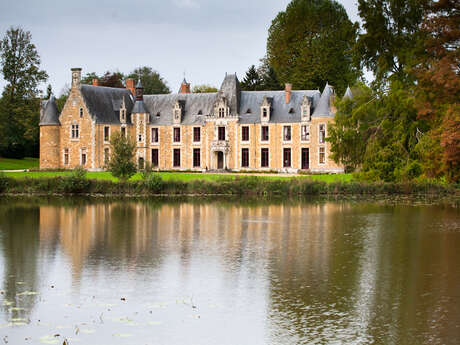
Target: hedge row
<point>250,186</point>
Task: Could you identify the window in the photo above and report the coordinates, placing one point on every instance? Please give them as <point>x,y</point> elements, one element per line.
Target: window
<point>322,155</point>
<point>245,158</point>
<point>176,157</point>
<point>106,133</point>
<point>196,158</point>
<point>287,133</point>
<point>176,135</point>
<point>196,134</point>
<point>322,133</point>
<point>264,158</point>
<point>75,132</point>
<point>106,155</point>
<point>66,156</point>
<point>305,133</point>
<point>221,112</point>
<point>155,158</point>
<point>286,158</point>
<point>83,157</point>
<point>265,112</point>
<point>264,133</point>
<point>158,114</point>
<point>245,133</point>
<point>221,133</point>
<point>139,137</point>
<point>123,131</point>
<point>140,163</point>
<point>81,112</point>
<point>154,135</point>
<point>123,115</point>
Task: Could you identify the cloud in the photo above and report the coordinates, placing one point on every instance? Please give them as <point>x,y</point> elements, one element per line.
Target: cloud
<point>186,4</point>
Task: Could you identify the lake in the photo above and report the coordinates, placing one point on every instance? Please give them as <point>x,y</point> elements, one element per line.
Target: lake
<point>227,272</point>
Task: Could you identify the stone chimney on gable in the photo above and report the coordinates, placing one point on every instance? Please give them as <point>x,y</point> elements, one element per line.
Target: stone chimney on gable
<point>130,86</point>
<point>184,87</point>
<point>76,77</point>
<point>287,92</point>
<point>95,82</point>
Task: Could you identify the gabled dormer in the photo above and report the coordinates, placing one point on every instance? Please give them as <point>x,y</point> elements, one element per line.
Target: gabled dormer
<point>221,108</point>
<point>178,111</point>
<point>305,109</point>
<point>123,112</point>
<point>265,109</point>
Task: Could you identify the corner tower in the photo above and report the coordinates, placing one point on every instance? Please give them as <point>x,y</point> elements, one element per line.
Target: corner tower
<point>50,128</point>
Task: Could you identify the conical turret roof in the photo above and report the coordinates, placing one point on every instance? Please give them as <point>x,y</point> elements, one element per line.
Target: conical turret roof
<point>324,104</point>
<point>348,94</point>
<point>50,114</point>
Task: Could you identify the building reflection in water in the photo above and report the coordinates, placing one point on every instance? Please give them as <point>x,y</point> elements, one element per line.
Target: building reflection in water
<point>296,272</point>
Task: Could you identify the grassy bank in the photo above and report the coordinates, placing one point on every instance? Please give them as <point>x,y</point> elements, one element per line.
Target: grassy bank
<point>181,176</point>
<point>235,185</point>
<point>18,164</point>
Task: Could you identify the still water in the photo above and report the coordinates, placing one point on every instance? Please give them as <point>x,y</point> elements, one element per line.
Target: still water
<point>142,272</point>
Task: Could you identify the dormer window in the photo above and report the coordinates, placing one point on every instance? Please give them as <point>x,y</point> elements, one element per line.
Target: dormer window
<point>221,108</point>
<point>305,109</point>
<point>200,112</point>
<point>248,111</point>
<point>158,114</point>
<point>81,112</point>
<point>265,109</point>
<point>123,115</point>
<point>178,111</point>
<point>291,111</point>
<point>221,112</point>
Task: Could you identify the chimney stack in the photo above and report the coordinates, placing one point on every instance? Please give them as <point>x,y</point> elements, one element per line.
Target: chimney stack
<point>130,86</point>
<point>184,87</point>
<point>95,82</point>
<point>76,77</point>
<point>287,92</point>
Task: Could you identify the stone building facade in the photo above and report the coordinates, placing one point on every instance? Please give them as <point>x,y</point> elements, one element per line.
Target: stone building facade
<point>234,130</point>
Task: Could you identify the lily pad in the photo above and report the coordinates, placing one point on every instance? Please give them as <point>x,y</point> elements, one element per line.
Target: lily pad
<point>49,339</point>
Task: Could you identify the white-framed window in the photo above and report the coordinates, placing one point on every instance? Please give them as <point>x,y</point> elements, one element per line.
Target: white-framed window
<point>83,157</point>
<point>286,133</point>
<point>75,131</point>
<point>305,133</point>
<point>123,115</point>
<point>154,136</point>
<point>265,134</point>
<point>106,155</point>
<point>322,133</point>
<point>81,112</point>
<point>245,133</point>
<point>66,156</point>
<point>176,134</point>
<point>106,133</point>
<point>221,112</point>
<point>322,155</point>
<point>196,134</point>
<point>123,131</point>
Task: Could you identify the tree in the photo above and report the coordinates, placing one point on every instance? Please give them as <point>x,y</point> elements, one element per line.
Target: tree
<point>88,78</point>
<point>251,81</point>
<point>20,65</point>
<point>19,106</point>
<point>151,80</point>
<point>391,35</point>
<point>204,88</point>
<point>311,43</point>
<point>112,79</point>
<point>121,163</point>
<point>437,69</point>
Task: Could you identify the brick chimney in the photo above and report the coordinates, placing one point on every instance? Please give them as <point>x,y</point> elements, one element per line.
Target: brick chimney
<point>287,92</point>
<point>184,87</point>
<point>130,86</point>
<point>95,82</point>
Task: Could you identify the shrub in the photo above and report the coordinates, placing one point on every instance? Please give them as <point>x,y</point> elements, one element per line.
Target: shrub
<point>3,182</point>
<point>154,183</point>
<point>121,164</point>
<point>76,182</point>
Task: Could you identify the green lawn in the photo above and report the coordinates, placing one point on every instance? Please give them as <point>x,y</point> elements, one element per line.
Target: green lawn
<point>176,176</point>
<point>17,164</point>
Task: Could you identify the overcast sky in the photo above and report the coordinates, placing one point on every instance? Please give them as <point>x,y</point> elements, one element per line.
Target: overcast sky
<point>203,38</point>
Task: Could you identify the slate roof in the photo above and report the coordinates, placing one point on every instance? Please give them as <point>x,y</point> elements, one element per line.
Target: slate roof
<point>280,111</point>
<point>195,103</point>
<point>104,102</point>
<point>49,114</point>
<point>324,106</point>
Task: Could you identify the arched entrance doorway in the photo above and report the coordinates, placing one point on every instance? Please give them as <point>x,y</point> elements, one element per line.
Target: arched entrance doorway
<point>220,160</point>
